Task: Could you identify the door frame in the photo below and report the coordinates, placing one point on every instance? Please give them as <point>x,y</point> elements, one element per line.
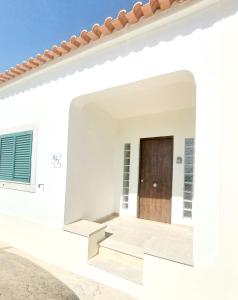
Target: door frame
<point>139,173</point>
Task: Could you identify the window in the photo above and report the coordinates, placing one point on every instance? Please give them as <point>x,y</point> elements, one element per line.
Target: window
<point>16,156</point>
<point>188,178</point>
<point>126,175</point>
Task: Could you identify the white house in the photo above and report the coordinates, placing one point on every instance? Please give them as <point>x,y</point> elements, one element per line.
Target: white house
<point>136,118</point>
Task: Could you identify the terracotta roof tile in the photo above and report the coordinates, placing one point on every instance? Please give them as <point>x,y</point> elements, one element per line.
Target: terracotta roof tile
<point>110,25</point>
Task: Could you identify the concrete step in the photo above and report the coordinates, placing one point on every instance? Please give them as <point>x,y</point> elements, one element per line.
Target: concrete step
<point>115,243</point>
<point>119,264</point>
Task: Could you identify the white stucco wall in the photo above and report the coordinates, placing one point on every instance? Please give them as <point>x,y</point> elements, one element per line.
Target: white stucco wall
<point>217,280</point>
<point>203,43</point>
<point>180,124</point>
<point>228,242</point>
<point>40,110</point>
<point>95,159</point>
<point>91,158</point>
<point>101,123</point>
<point>155,48</point>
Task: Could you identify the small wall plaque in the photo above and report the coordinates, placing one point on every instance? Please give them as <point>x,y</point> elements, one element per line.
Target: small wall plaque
<point>179,160</point>
<point>56,160</point>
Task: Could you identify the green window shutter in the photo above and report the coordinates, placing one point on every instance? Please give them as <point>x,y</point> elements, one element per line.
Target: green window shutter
<point>15,156</point>
<point>6,157</point>
<point>22,157</point>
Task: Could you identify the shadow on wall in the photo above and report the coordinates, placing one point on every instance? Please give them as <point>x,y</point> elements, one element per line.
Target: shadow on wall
<point>183,27</point>
<point>90,174</point>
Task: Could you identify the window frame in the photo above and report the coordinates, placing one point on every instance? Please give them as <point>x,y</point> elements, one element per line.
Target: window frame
<point>126,176</point>
<point>20,185</point>
<point>189,143</point>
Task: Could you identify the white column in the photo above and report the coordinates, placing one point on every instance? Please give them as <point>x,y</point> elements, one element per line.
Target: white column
<point>207,167</point>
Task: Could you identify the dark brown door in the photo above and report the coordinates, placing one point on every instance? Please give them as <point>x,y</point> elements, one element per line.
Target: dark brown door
<point>155,182</point>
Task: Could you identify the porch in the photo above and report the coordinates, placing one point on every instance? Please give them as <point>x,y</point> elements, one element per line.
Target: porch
<point>123,242</point>
<point>137,236</point>
<point>131,153</point>
<point>108,131</point>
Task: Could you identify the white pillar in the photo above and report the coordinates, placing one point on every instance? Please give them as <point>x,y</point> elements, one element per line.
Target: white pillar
<point>207,167</point>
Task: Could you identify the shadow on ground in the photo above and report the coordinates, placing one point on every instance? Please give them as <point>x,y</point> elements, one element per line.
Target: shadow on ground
<point>21,279</point>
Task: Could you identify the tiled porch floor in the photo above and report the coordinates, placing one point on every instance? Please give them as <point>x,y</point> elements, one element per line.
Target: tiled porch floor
<point>136,237</point>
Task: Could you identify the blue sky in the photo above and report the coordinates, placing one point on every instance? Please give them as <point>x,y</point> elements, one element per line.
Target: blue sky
<point>28,27</point>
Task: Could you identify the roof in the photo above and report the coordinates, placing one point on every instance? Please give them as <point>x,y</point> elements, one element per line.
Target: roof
<point>97,32</point>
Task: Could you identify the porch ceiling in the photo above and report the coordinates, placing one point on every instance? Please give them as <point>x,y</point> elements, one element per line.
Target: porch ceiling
<point>150,96</point>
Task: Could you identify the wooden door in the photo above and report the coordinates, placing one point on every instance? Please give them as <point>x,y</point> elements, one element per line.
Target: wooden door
<point>155,182</point>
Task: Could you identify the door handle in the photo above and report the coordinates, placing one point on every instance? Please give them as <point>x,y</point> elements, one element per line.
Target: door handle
<point>155,184</point>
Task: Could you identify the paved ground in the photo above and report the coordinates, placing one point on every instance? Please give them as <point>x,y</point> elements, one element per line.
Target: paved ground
<point>23,277</point>
<point>136,236</point>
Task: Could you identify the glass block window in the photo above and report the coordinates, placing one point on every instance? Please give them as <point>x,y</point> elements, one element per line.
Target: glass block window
<point>126,175</point>
<point>188,177</point>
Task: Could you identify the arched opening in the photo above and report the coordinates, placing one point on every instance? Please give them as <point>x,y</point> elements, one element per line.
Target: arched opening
<point>106,130</point>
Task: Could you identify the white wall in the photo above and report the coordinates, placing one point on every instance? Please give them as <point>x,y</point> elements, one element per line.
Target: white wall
<point>228,241</point>
<point>165,279</point>
<point>217,279</point>
<point>202,42</point>
<point>187,43</point>
<point>180,124</point>
<point>91,156</point>
<point>100,121</point>
<point>95,159</point>
<point>38,108</point>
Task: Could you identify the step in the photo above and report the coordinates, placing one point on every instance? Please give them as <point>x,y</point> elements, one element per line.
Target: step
<point>114,243</point>
<point>119,264</point>
<point>84,228</point>
<point>91,232</point>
